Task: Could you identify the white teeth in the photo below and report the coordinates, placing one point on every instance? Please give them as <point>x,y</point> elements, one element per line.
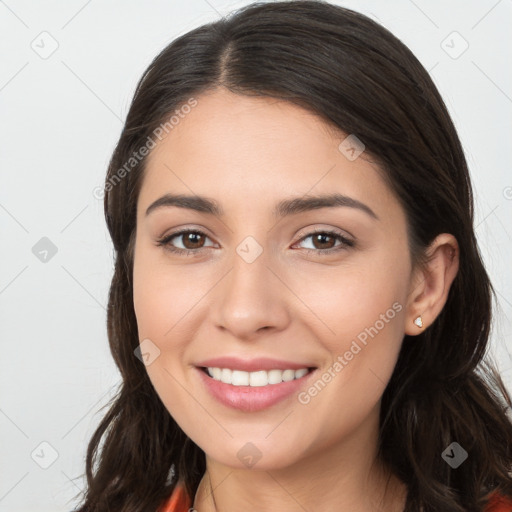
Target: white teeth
<point>255,379</point>
<point>258,378</point>
<point>239,378</point>
<point>288,375</point>
<point>275,376</point>
<point>225,376</point>
<point>300,373</point>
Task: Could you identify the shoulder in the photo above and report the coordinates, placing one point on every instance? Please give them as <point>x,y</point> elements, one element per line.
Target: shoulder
<point>178,501</point>
<point>499,503</point>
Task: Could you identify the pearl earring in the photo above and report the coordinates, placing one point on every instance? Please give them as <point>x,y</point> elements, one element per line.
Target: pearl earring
<point>419,322</point>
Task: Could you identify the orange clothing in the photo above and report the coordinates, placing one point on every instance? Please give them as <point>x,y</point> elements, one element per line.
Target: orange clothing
<point>499,503</point>
<point>179,501</point>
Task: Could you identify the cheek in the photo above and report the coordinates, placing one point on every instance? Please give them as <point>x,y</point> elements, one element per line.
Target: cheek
<point>367,320</point>
<point>169,307</point>
<point>162,294</point>
<point>352,301</point>
<point>159,304</point>
<point>149,302</point>
<point>361,309</point>
<point>157,307</point>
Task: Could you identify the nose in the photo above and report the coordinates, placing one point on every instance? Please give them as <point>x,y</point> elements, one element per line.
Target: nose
<point>251,299</point>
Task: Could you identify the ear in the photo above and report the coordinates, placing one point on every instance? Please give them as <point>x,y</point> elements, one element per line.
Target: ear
<point>429,286</point>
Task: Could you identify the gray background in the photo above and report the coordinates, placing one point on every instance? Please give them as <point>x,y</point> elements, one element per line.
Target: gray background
<point>61,114</point>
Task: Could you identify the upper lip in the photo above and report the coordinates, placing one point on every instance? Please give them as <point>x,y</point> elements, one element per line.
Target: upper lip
<point>251,365</point>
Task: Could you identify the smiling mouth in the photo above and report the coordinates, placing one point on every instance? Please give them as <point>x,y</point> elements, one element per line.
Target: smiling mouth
<point>258,378</point>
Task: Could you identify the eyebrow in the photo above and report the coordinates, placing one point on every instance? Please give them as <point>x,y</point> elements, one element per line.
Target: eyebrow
<point>284,208</point>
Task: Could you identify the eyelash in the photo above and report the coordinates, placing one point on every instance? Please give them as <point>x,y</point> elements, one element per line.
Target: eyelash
<point>165,242</point>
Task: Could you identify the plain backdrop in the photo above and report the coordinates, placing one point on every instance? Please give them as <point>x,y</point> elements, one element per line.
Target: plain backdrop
<point>67,75</point>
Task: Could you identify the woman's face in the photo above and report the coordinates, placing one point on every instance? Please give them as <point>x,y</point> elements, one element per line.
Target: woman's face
<point>255,286</point>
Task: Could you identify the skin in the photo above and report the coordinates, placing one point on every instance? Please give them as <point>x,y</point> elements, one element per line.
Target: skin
<point>248,154</point>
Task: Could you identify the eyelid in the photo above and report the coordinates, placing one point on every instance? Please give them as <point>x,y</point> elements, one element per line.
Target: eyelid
<point>335,231</point>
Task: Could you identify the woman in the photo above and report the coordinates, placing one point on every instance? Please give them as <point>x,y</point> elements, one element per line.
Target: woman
<point>299,309</point>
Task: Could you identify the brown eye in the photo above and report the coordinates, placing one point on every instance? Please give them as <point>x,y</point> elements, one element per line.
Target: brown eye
<point>323,241</point>
<point>327,242</point>
<point>191,241</point>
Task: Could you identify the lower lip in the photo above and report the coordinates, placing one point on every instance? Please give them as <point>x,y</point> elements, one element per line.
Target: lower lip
<point>252,398</point>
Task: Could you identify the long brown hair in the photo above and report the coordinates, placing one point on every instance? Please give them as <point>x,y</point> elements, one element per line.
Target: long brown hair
<point>361,79</point>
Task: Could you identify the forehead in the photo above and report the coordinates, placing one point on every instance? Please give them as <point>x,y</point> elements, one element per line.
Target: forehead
<point>247,150</point>
<point>245,124</point>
